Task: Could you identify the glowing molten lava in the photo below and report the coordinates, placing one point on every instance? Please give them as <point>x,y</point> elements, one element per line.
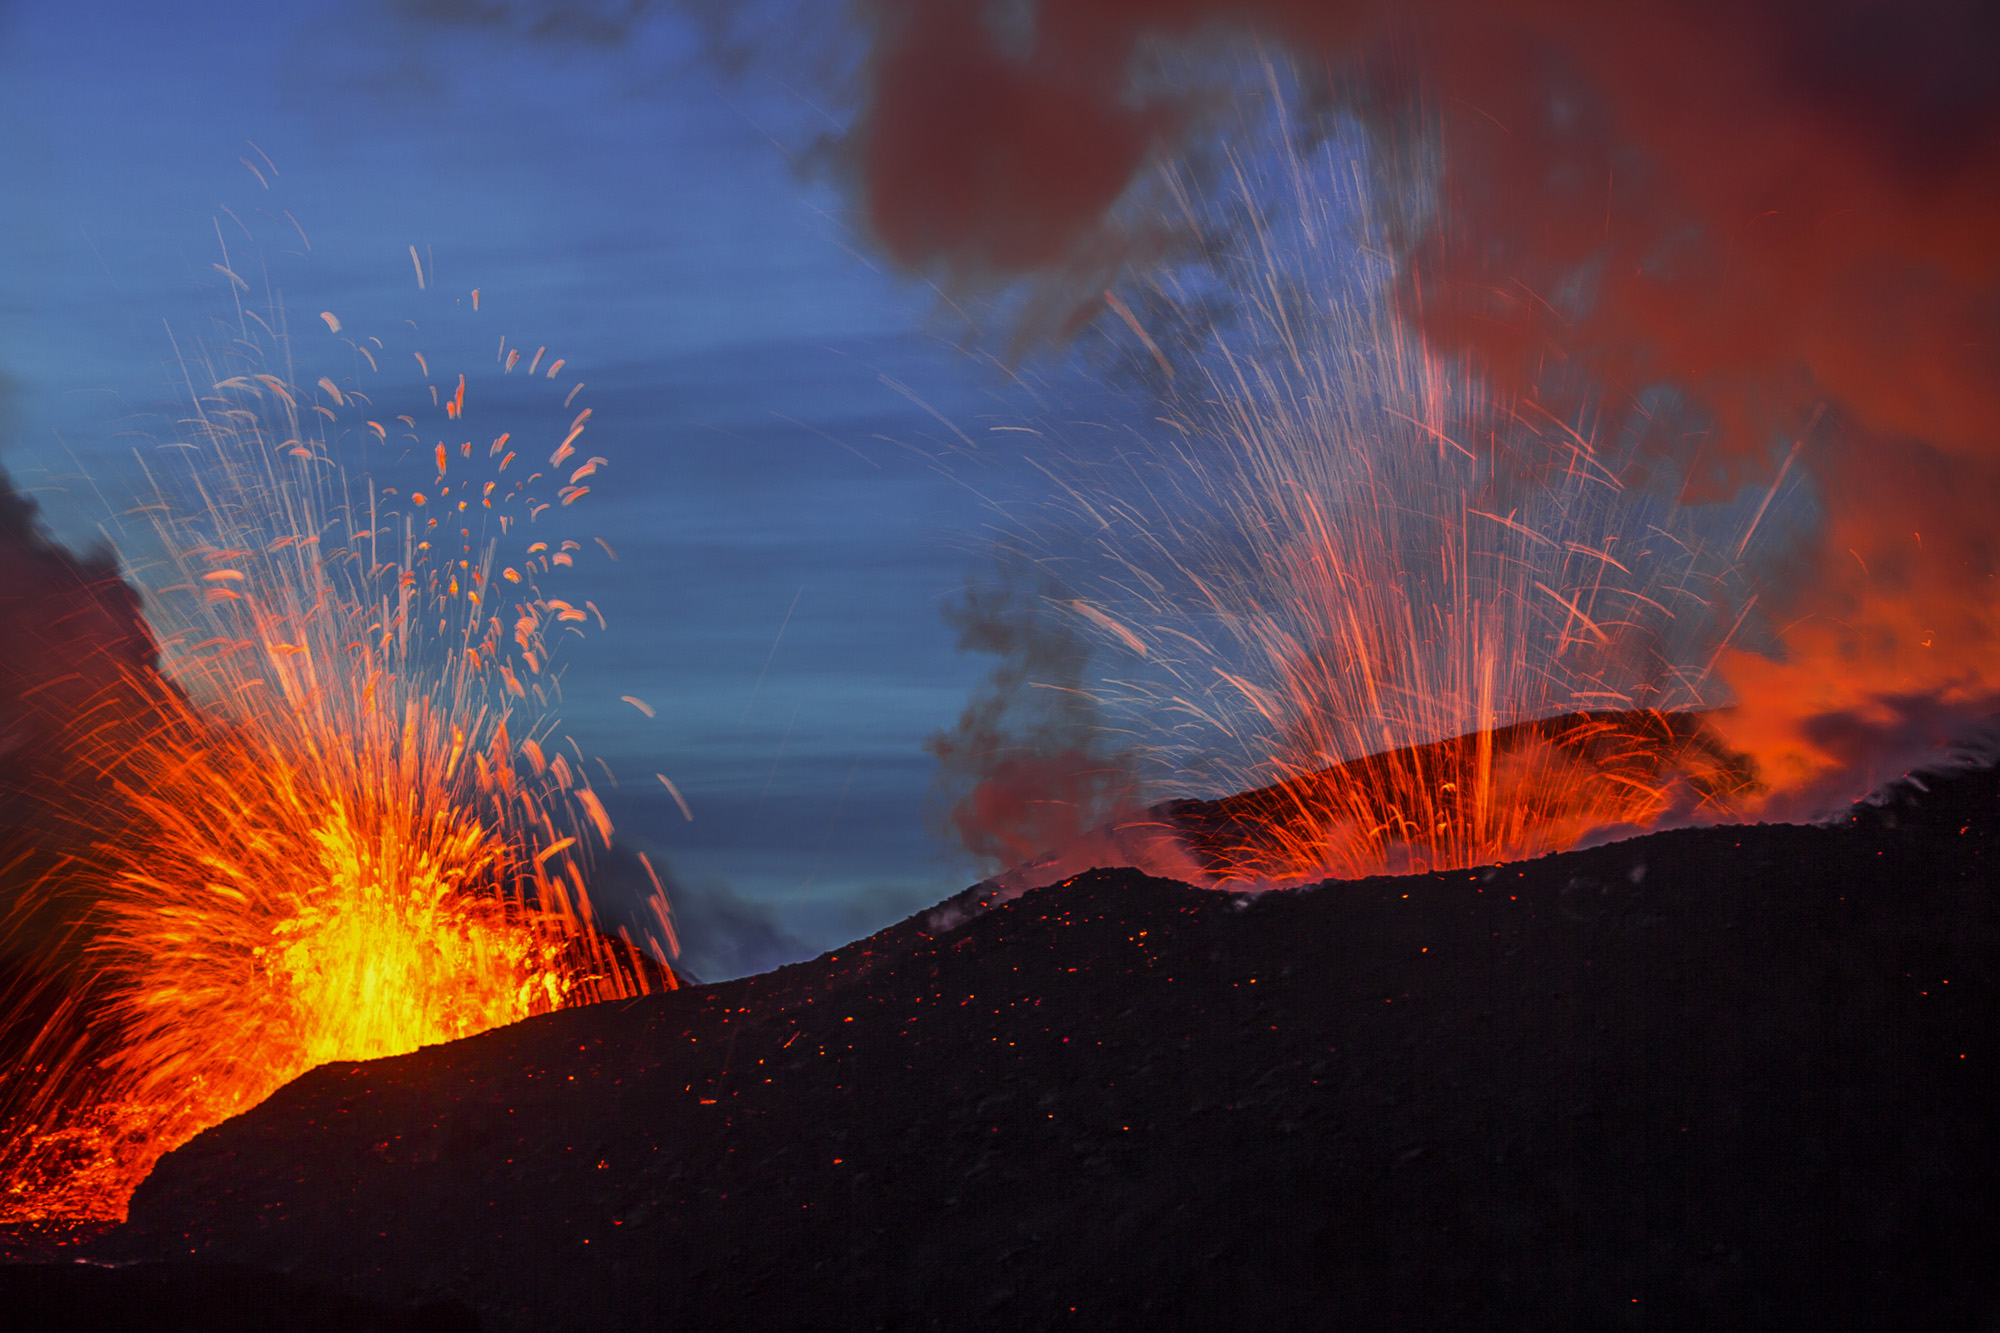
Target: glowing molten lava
<point>1506,794</point>
<point>323,833</point>
<point>1424,622</point>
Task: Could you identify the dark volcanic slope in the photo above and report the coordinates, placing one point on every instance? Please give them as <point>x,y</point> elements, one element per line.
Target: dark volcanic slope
<point>1731,1077</point>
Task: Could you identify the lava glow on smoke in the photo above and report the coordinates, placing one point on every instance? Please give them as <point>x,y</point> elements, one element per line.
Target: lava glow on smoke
<point>1773,218</point>
<point>1415,622</point>
<point>330,827</point>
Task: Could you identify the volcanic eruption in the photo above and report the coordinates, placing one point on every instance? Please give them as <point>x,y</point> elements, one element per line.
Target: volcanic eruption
<point>307,810</point>
<point>1449,451</point>
<point>1419,621</point>
<point>1636,483</point>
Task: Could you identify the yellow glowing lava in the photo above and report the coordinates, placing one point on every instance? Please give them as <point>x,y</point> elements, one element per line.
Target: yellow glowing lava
<point>330,828</point>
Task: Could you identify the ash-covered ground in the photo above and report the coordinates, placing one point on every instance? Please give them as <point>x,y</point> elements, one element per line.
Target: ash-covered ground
<point>1737,1077</point>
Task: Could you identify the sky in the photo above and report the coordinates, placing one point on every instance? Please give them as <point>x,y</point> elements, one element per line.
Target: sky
<point>1750,243</point>
<point>788,495</point>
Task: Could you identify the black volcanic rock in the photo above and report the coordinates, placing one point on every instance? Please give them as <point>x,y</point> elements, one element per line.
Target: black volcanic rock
<point>200,1298</point>
<point>1722,1078</point>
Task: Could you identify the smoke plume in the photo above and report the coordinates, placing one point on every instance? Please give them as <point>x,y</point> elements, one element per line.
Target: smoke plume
<point>1028,767</point>
<point>1774,209</point>
<point>1772,201</point>
<point>1033,781</point>
<point>74,649</point>
<point>71,635</point>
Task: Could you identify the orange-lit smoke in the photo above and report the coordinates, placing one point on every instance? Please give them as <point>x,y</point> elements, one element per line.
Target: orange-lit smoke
<point>1767,207</point>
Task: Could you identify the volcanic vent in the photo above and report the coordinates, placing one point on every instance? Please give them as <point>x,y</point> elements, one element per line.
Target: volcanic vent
<point>310,811</point>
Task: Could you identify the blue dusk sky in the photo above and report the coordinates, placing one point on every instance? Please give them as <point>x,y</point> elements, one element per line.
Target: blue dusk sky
<point>810,453</point>
<point>782,412</point>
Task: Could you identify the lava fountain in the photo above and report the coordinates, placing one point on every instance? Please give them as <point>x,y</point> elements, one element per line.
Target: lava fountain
<point>335,823</point>
<point>1774,220</point>
<point>1417,622</point>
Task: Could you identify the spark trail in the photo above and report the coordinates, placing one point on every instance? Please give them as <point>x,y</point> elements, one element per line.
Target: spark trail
<point>335,824</point>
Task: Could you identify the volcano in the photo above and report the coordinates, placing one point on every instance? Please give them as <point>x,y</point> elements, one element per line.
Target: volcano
<point>1717,1077</point>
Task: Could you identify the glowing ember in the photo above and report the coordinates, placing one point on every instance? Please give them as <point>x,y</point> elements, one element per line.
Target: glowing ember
<point>337,830</point>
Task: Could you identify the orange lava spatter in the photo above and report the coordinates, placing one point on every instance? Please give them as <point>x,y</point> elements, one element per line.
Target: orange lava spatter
<point>1419,620</point>
<point>1508,794</point>
<point>334,825</point>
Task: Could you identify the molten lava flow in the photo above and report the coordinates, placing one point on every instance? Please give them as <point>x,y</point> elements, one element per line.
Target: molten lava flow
<point>323,833</point>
